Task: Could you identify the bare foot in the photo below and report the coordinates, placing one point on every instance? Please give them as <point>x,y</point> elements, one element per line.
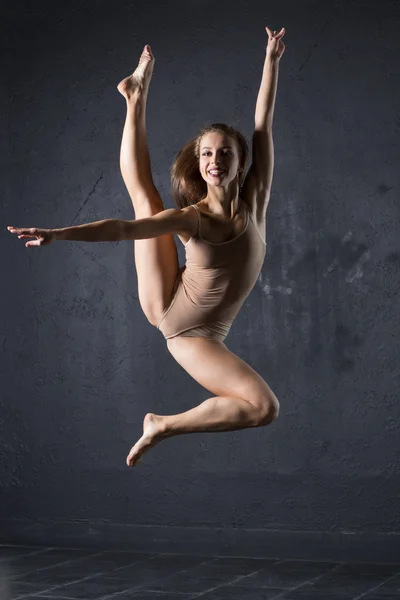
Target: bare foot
<point>140,78</point>
<point>153,432</point>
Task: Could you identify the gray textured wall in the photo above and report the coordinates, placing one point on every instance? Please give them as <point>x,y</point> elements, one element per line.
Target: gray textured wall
<point>80,365</point>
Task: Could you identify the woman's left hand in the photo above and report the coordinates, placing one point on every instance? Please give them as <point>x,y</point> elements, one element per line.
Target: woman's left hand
<point>275,47</point>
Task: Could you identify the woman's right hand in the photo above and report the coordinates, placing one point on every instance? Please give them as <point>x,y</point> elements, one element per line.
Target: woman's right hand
<point>43,237</point>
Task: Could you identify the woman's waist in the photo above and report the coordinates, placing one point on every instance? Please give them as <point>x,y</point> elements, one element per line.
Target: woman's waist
<point>216,288</point>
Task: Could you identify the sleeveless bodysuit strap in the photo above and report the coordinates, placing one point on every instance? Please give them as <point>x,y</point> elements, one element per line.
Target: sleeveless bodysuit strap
<point>198,215</point>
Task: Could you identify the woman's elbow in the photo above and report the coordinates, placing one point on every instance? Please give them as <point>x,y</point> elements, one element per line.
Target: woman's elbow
<point>125,230</point>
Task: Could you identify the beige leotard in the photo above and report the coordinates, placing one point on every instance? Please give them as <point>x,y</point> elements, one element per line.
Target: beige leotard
<point>214,283</point>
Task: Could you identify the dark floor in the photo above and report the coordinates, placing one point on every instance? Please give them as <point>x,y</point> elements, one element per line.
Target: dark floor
<point>38,572</point>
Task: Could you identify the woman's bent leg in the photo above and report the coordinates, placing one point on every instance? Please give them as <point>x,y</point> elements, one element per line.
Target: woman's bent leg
<point>243,399</point>
<point>156,259</point>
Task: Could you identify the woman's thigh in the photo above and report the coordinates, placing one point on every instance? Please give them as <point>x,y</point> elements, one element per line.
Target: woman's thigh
<point>157,264</point>
<point>221,371</point>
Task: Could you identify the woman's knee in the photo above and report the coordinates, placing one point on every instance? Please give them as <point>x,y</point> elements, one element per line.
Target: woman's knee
<point>268,409</point>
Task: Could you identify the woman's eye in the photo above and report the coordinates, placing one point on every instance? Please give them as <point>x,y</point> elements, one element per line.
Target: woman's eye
<point>229,152</point>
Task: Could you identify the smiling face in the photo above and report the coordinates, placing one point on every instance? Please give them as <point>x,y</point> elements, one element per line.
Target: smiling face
<point>218,158</point>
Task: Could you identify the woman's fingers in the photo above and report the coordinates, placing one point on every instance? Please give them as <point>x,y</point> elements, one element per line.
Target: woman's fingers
<point>34,243</point>
<point>30,233</point>
<point>275,45</point>
<point>22,231</point>
<point>275,34</point>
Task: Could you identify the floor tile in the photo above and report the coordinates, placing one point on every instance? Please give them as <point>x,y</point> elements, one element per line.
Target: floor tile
<point>236,569</point>
<point>16,568</point>
<point>388,590</point>
<point>30,598</point>
<point>310,592</point>
<point>156,569</point>
<point>144,595</point>
<point>93,588</point>
<point>48,578</point>
<point>230,592</point>
<point>13,589</point>
<point>184,583</point>
<point>354,579</point>
<point>110,561</point>
<point>377,596</point>
<point>78,569</point>
<point>286,574</point>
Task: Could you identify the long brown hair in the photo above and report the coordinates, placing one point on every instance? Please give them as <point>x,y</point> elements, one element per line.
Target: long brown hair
<point>188,186</point>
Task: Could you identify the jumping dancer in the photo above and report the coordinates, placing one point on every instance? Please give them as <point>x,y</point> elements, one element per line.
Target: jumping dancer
<point>220,219</point>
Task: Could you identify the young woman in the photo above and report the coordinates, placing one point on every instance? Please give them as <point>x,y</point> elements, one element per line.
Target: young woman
<point>221,222</point>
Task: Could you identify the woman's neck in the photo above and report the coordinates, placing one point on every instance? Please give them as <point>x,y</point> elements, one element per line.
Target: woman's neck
<point>222,201</point>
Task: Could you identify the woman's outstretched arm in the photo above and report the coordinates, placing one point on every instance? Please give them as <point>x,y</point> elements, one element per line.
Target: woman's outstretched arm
<point>257,187</point>
<point>170,220</point>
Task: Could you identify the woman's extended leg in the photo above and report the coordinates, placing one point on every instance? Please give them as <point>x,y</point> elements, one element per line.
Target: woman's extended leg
<point>156,259</point>
<point>243,398</point>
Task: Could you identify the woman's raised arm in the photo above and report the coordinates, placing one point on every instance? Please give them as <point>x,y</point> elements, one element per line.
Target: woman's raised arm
<point>257,186</point>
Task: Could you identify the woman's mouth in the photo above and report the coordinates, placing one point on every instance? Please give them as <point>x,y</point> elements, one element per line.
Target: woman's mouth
<point>216,172</point>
